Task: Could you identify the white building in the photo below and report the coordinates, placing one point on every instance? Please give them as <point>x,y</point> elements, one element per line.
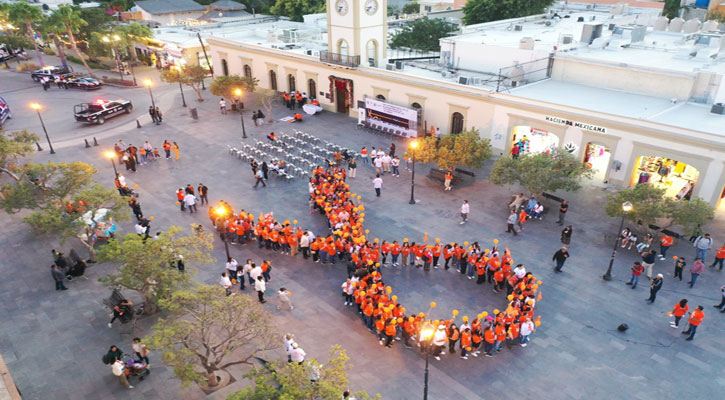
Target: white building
<point>169,12</point>
<point>632,100</point>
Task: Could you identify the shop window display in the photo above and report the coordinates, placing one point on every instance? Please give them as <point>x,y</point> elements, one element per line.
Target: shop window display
<point>677,178</point>
<point>597,157</point>
<point>532,140</point>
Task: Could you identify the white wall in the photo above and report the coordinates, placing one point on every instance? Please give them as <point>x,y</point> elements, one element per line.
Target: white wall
<point>488,58</point>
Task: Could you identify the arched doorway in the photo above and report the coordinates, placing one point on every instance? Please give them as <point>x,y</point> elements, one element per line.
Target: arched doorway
<point>341,93</point>
<point>526,139</point>
<point>456,123</point>
<point>596,157</point>
<point>342,48</point>
<point>225,67</point>
<point>291,82</point>
<point>372,52</point>
<point>247,71</point>
<point>312,88</point>
<point>272,80</point>
<point>380,97</point>
<point>677,178</point>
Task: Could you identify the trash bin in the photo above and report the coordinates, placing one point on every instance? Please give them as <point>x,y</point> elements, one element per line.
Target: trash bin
<point>193,112</point>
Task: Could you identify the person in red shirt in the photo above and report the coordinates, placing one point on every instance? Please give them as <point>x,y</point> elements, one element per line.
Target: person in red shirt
<point>637,270</point>
<point>678,311</point>
<point>385,249</point>
<point>447,254</point>
<point>465,343</point>
<point>719,257</point>
<point>490,337</point>
<point>695,320</point>
<point>436,254</point>
<point>390,331</point>
<point>665,244</point>
<point>395,252</point>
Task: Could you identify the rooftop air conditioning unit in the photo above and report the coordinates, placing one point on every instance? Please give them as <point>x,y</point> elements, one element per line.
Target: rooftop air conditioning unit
<point>389,67</point>
<point>308,52</point>
<point>515,83</point>
<point>398,65</point>
<point>518,28</point>
<point>476,81</point>
<point>463,80</point>
<point>567,39</point>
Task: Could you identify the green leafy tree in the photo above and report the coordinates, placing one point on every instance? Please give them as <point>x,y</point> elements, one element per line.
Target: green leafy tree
<point>538,173</point>
<point>60,195</point>
<point>467,149</point>
<point>690,214</point>
<point>411,8</point>
<point>648,204</point>
<point>25,15</point>
<point>281,380</point>
<point>479,11</point>
<point>672,8</point>
<point>422,34</point>
<point>69,20</point>
<point>96,21</point>
<point>392,10</point>
<point>295,9</point>
<point>225,85</point>
<point>145,263</point>
<point>51,28</point>
<point>190,76</point>
<point>207,332</point>
<point>15,146</point>
<point>131,34</point>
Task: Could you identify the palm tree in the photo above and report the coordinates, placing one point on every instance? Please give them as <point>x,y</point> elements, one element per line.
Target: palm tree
<point>132,33</point>
<point>70,18</point>
<point>21,13</point>
<point>51,27</point>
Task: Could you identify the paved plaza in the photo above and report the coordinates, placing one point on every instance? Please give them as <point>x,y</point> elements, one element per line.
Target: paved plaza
<point>52,342</point>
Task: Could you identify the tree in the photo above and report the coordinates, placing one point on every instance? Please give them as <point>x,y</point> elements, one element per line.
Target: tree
<point>190,76</point>
<point>671,8</point>
<point>225,85</point>
<point>467,148</point>
<point>51,28</point>
<point>648,203</point>
<point>23,14</point>
<point>62,195</point>
<point>281,380</point>
<point>479,11</point>
<point>411,8</point>
<point>295,9</point>
<point>131,34</point>
<point>13,147</point>
<point>266,98</point>
<point>422,34</point>
<point>208,332</point>
<point>690,214</point>
<point>537,173</point>
<point>145,263</point>
<point>96,21</point>
<point>70,18</point>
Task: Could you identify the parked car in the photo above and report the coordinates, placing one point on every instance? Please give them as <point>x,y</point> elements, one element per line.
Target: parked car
<point>51,72</point>
<point>100,110</point>
<point>4,111</point>
<point>84,83</point>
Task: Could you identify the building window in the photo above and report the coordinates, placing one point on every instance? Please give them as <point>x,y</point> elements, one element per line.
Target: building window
<point>457,123</point>
<point>380,97</point>
<point>417,106</point>
<point>247,71</point>
<point>342,47</point>
<point>225,68</point>
<point>291,80</point>
<point>312,88</point>
<point>372,53</point>
<point>272,80</point>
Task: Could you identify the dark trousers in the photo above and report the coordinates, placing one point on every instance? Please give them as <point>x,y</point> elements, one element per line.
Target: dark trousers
<point>678,273</point>
<point>447,261</point>
<point>481,279</point>
<point>59,285</point>
<point>691,329</point>
<point>204,200</point>
<point>260,295</point>
<point>559,264</point>
<point>305,252</point>
<point>377,192</point>
<point>511,229</point>
<point>718,261</point>
<point>258,181</point>
<point>652,295</point>
<point>452,346</point>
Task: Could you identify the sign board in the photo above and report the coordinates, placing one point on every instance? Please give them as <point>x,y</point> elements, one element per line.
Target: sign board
<point>576,124</point>
<point>391,116</point>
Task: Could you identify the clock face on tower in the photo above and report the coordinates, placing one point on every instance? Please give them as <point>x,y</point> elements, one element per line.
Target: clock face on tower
<point>371,6</point>
<point>341,7</point>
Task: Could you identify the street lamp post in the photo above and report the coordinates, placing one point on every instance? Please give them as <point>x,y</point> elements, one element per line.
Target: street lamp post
<point>238,94</point>
<point>427,334</point>
<point>115,53</point>
<point>148,84</point>
<point>626,207</point>
<point>36,107</point>
<point>413,145</point>
<point>183,100</point>
<point>221,212</point>
<point>111,155</point>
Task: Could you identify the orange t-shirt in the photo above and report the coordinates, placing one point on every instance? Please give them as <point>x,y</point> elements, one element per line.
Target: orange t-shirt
<point>696,318</point>
<point>678,311</point>
<point>465,339</point>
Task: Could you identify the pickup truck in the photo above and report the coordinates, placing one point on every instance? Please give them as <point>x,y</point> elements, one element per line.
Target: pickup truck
<point>4,111</point>
<point>101,110</point>
<point>51,72</point>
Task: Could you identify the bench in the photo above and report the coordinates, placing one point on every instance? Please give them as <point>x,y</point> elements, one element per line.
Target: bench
<point>439,175</point>
<point>552,197</point>
<point>115,299</point>
<point>464,172</point>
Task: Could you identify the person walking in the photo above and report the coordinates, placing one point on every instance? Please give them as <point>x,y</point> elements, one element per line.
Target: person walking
<point>260,178</point>
<point>560,257</point>
<point>527,328</point>
<point>58,278</point>
<point>176,150</point>
<point>722,302</point>
<point>695,320</point>
<point>203,193</point>
<point>665,243</point>
<point>167,149</point>
<point>223,106</point>
<point>563,208</point>
<point>655,287</point>
<point>284,300</point>
<point>180,199</point>
<point>702,244</point>
<point>118,369</point>
<point>648,261</point>
<point>190,202</point>
<point>352,168</point>
<point>697,268</point>
<point>377,184</point>
<point>637,270</point>
<point>679,311</point>
<point>260,286</point>
<point>152,113</point>
<point>395,164</point>
<point>141,351</point>
<point>510,221</point>
<point>464,212</point>
<point>679,267</point>
<point>719,257</point>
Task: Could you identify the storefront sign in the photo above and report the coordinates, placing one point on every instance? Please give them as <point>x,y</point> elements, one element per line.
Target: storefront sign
<point>391,116</point>
<point>580,125</point>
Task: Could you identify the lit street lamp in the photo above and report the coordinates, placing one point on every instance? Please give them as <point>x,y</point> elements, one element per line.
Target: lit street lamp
<point>111,155</point>
<point>238,93</point>
<point>36,107</point>
<point>626,207</point>
<point>426,333</point>
<point>148,84</point>
<point>221,212</point>
<point>413,145</point>
<point>116,38</point>
<point>183,100</point>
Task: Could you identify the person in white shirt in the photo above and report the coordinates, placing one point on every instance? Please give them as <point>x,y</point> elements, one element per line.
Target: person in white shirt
<point>141,230</point>
<point>386,162</point>
<point>527,327</point>
<point>297,354</point>
<point>381,152</point>
<point>223,106</point>
<point>226,283</point>
<point>231,267</point>
<point>260,286</point>
<point>289,339</point>
<point>190,202</point>
<point>464,212</point>
<point>121,180</point>
<point>284,300</point>
<point>255,273</point>
<point>117,369</point>
<point>378,162</point>
<point>141,351</point>
<point>347,290</point>
<point>378,184</point>
<point>395,163</point>
<point>520,271</point>
<point>439,341</point>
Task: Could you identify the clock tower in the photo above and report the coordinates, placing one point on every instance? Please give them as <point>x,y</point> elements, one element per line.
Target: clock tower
<point>358,28</point>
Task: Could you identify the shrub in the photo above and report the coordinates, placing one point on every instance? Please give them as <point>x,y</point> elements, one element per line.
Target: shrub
<point>49,51</point>
<point>28,66</point>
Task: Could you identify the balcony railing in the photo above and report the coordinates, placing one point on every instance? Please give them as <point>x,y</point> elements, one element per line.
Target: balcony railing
<point>339,59</point>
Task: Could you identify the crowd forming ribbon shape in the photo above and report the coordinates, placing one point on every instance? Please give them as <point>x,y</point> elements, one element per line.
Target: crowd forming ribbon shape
<point>331,195</point>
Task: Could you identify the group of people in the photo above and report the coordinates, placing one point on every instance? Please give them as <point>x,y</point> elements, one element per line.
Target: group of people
<point>123,365</point>
<point>132,156</point>
<point>66,268</point>
<point>157,116</point>
<point>187,197</point>
<point>294,98</point>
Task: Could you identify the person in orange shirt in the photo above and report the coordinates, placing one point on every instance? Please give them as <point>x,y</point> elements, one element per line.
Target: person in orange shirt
<point>380,328</point>
<point>292,242</point>
<point>719,257</point>
<point>500,332</point>
<point>695,320</point>
<point>408,331</point>
<point>665,244</point>
<point>490,337</point>
<point>436,254</point>
<point>385,250</point>
<point>477,339</point>
<point>274,240</point>
<point>481,271</point>
<point>405,251</point>
<point>283,243</point>
<point>368,310</point>
<point>465,343</point>
<point>395,252</point>
<point>678,311</point>
<point>522,219</point>
<point>315,250</point>
<point>390,331</point>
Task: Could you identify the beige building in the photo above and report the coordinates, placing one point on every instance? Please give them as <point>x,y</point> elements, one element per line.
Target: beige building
<point>632,111</point>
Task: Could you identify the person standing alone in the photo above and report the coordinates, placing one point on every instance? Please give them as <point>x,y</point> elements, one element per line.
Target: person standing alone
<point>560,258</point>
<point>464,211</point>
<point>654,288</point>
<point>377,184</point>
<point>563,208</point>
<point>702,244</point>
<point>510,221</point>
